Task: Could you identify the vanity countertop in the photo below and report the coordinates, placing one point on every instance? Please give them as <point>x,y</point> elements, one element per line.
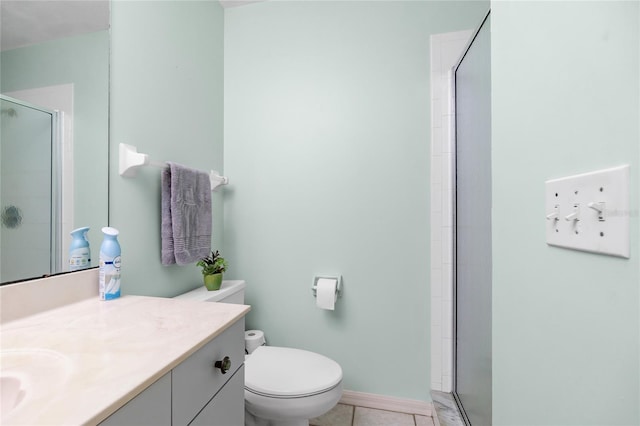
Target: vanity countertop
<point>81,362</point>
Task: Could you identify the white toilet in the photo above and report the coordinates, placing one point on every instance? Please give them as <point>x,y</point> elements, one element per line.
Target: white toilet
<point>283,386</point>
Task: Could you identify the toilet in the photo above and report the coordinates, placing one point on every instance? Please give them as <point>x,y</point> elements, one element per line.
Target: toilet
<point>282,386</point>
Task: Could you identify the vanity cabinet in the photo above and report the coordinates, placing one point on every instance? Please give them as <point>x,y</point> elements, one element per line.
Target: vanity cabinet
<point>195,392</point>
<point>196,381</point>
<point>151,407</point>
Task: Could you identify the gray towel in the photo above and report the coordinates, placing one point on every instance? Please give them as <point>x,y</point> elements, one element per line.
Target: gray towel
<point>186,215</point>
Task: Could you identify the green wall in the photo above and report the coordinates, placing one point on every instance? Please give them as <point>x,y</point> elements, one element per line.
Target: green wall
<point>166,99</point>
<point>84,61</point>
<point>326,145</point>
<point>565,323</point>
<point>327,126</point>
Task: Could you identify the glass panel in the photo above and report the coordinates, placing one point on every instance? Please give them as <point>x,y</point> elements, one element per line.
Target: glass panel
<point>25,191</point>
<point>473,231</point>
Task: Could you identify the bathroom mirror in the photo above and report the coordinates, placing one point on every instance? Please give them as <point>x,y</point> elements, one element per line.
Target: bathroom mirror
<point>54,81</point>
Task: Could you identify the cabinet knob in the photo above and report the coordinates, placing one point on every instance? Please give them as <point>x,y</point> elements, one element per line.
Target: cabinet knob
<point>223,365</point>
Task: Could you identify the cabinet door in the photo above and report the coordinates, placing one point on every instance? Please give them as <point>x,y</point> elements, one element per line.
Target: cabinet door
<point>152,407</point>
<point>195,381</point>
<point>227,407</point>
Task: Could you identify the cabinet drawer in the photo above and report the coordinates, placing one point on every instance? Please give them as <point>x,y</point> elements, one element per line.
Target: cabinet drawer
<point>227,407</point>
<point>195,381</point>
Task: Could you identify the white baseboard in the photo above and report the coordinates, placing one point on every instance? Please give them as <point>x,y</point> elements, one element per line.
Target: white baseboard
<point>389,403</point>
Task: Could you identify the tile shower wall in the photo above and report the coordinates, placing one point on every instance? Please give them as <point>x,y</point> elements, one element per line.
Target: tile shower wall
<point>446,49</point>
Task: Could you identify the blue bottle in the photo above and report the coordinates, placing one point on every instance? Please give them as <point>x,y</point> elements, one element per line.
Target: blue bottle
<point>79,251</point>
<point>109,264</point>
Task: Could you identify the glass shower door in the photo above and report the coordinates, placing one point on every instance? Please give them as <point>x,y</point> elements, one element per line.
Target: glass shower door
<point>27,135</point>
<point>472,367</point>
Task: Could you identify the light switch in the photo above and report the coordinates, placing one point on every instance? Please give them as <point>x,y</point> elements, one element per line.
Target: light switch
<point>590,211</point>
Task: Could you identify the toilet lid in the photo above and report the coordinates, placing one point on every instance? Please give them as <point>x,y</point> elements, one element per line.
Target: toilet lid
<point>288,372</point>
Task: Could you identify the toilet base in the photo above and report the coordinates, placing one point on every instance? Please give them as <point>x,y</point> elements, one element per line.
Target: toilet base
<point>261,410</point>
<point>251,420</point>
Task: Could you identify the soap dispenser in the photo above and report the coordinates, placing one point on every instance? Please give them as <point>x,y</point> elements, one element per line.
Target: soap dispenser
<point>79,251</point>
<point>109,272</point>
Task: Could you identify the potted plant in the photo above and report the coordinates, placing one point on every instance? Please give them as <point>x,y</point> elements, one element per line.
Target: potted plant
<point>212,268</point>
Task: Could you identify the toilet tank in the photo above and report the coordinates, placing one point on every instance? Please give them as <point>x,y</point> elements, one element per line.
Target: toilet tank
<point>230,292</point>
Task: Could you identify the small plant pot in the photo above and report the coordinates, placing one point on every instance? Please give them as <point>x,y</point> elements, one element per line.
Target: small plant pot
<point>213,282</point>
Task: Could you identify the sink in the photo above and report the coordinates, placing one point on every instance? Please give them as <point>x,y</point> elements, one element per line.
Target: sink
<point>12,393</point>
<point>27,376</point>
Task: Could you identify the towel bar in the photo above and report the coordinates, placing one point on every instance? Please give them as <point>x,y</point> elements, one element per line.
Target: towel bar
<point>131,160</point>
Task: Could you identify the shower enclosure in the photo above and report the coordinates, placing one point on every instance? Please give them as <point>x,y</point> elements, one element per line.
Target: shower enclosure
<point>29,185</point>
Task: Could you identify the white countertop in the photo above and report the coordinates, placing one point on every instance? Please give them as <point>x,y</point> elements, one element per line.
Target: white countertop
<point>81,362</point>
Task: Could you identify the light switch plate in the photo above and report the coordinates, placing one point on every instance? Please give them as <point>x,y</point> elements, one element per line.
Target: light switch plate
<point>590,211</point>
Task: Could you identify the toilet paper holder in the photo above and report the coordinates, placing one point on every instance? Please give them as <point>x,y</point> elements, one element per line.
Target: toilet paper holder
<point>314,288</point>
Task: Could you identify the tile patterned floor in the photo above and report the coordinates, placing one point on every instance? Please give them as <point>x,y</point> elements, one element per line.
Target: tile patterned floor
<point>348,415</point>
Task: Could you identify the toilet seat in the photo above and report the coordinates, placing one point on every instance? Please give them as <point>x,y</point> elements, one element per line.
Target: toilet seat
<point>278,372</point>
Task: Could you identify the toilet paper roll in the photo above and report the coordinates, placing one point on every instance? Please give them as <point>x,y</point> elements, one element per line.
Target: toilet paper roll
<point>253,339</point>
<point>326,293</point>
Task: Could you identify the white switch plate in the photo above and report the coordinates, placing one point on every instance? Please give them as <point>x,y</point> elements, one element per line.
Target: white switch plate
<point>604,233</point>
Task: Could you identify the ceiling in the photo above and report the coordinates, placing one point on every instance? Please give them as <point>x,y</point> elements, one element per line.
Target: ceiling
<point>235,3</point>
<point>26,22</point>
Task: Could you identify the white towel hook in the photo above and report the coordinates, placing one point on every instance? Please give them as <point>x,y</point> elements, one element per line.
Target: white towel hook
<point>131,160</point>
